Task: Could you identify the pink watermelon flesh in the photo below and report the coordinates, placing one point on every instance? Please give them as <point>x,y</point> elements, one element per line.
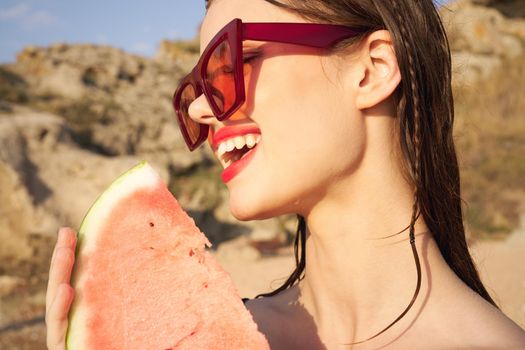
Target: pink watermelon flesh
<point>147,282</point>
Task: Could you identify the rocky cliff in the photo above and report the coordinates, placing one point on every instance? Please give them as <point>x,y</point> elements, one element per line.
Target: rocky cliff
<point>484,36</point>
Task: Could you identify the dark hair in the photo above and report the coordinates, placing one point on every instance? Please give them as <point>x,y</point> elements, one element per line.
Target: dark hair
<point>425,116</point>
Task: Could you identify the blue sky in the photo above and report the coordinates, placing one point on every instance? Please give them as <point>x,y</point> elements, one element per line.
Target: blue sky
<point>134,25</point>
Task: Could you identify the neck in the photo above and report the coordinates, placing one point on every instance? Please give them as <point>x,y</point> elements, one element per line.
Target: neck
<point>356,284</point>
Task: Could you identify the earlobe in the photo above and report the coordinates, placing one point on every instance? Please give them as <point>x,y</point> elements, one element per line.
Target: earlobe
<point>381,74</point>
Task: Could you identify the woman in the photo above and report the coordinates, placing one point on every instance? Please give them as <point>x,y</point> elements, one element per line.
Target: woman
<point>354,127</point>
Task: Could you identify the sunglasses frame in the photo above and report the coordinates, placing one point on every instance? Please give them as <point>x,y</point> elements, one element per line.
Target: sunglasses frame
<point>316,35</point>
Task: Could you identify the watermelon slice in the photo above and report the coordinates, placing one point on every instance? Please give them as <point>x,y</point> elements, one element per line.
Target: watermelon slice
<point>144,280</point>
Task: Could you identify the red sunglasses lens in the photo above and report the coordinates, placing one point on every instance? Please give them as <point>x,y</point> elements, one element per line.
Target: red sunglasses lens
<point>220,86</point>
<point>220,78</point>
<point>187,96</point>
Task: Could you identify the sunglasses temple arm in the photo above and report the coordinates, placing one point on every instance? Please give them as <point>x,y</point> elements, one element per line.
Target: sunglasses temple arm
<point>310,34</point>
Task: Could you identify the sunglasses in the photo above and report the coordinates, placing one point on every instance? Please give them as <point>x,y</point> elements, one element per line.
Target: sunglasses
<point>219,73</point>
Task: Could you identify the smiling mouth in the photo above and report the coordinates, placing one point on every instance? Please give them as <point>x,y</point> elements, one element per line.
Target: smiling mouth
<point>236,148</point>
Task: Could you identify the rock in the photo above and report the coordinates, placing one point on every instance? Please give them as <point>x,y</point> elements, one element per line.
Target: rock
<point>91,66</point>
<point>481,38</point>
<point>61,179</point>
<point>115,103</point>
<point>16,216</point>
<point>34,129</point>
<point>468,68</point>
<point>64,81</point>
<point>510,8</point>
<point>75,185</point>
<point>174,50</point>
<point>8,284</point>
<point>484,31</point>
<point>184,53</point>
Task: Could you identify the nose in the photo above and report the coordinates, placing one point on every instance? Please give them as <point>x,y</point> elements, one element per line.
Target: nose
<point>200,111</point>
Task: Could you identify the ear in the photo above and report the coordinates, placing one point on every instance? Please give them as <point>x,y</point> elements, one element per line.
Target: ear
<point>379,75</point>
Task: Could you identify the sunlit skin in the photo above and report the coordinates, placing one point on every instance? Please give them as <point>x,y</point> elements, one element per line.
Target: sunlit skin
<point>330,153</point>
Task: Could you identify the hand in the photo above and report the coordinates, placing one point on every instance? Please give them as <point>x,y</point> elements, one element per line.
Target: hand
<point>59,291</point>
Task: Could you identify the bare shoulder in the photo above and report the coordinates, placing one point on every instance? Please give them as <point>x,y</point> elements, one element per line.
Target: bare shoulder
<point>283,323</point>
<point>260,309</point>
<point>268,312</point>
<point>263,314</point>
<point>268,318</point>
<point>465,321</point>
<point>477,324</point>
<point>498,328</point>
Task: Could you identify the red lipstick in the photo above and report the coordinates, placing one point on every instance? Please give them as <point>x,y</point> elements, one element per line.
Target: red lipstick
<point>228,132</point>
<point>237,166</point>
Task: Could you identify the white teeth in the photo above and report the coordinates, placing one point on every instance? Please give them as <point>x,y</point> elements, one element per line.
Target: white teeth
<point>222,149</point>
<point>250,141</point>
<point>230,145</point>
<point>238,142</point>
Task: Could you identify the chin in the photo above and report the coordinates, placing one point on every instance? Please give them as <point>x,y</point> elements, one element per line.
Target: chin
<point>243,213</point>
<point>254,210</point>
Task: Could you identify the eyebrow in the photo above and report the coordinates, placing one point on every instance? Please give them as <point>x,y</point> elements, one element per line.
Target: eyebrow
<point>208,4</point>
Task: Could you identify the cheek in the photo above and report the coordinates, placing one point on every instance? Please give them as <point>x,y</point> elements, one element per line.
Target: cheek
<point>312,138</point>
<point>305,115</point>
<point>287,95</point>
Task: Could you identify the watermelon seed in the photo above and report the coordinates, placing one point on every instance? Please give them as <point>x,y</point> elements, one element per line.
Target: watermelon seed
<point>191,252</point>
<point>151,224</point>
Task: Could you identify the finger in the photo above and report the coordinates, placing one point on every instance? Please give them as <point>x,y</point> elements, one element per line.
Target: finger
<point>66,238</point>
<point>50,290</point>
<point>69,237</point>
<point>61,271</point>
<point>61,263</point>
<point>57,321</point>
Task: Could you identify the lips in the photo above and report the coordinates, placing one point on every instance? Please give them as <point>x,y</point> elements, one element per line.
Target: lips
<point>238,166</point>
<point>228,132</point>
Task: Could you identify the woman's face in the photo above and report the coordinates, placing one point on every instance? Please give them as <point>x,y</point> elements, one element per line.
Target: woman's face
<point>312,137</point>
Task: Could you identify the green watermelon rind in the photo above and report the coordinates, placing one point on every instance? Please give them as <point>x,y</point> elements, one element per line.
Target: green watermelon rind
<point>116,187</point>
